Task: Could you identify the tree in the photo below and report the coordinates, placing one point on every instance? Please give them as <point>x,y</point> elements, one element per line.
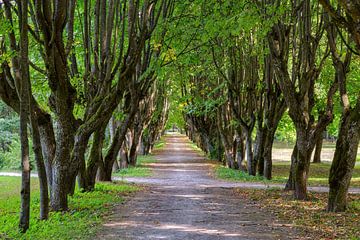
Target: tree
<point>298,87</point>
<point>23,80</point>
<point>347,17</point>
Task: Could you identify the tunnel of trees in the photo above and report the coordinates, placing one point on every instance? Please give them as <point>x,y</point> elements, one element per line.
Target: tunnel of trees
<point>95,82</point>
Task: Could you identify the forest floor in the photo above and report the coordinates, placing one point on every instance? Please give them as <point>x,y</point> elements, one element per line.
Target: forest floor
<point>183,201</point>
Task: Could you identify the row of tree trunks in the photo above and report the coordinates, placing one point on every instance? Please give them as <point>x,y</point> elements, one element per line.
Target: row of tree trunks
<point>301,104</point>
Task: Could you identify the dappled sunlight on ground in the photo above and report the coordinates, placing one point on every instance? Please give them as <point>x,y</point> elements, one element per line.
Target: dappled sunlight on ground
<point>183,201</point>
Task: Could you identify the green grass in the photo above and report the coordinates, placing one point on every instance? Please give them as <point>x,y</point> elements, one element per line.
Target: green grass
<point>87,211</point>
<point>318,175</point>
<point>160,144</point>
<point>141,169</point>
<point>133,172</point>
<point>145,159</point>
<point>236,175</point>
<point>196,148</point>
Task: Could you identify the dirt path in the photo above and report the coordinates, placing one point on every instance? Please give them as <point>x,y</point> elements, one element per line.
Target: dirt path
<point>184,202</point>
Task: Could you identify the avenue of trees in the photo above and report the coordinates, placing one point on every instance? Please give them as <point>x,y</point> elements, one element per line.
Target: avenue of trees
<point>94,83</point>
<point>253,63</point>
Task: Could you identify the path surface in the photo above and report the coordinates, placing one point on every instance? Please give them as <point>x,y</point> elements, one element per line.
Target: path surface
<point>183,201</point>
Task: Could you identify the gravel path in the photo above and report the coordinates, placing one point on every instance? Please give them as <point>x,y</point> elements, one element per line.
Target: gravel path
<point>183,201</point>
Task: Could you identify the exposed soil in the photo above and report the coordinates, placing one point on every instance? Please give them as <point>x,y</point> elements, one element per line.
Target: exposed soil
<point>183,201</point>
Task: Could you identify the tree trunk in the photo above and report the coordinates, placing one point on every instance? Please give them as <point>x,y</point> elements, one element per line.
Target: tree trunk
<point>95,158</point>
<point>300,176</point>
<point>302,163</point>
<point>240,152</point>
<point>44,193</point>
<point>23,87</point>
<point>134,146</point>
<point>268,145</point>
<point>290,185</point>
<point>78,156</point>
<point>259,148</point>
<point>344,160</point>
<point>48,146</point>
<point>25,166</point>
<point>318,148</point>
<point>251,164</point>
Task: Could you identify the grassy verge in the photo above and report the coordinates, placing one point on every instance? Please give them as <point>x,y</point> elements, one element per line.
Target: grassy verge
<point>318,175</point>
<point>141,169</point>
<point>160,144</point>
<point>196,148</point>
<point>81,222</point>
<point>309,217</point>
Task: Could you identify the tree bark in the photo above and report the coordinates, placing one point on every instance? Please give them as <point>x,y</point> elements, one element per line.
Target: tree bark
<point>344,160</point>
<point>318,148</point>
<point>111,155</point>
<point>95,158</point>
<point>43,182</point>
<point>251,162</point>
<point>290,184</point>
<point>134,145</point>
<point>268,145</point>
<point>259,148</point>
<point>240,152</point>
<point>23,82</point>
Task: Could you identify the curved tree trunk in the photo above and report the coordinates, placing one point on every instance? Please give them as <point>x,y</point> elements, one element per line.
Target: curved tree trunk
<point>95,158</point>
<point>344,160</point>
<point>318,148</point>
<point>111,155</point>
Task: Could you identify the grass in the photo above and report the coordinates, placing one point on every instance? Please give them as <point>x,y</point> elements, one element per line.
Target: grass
<point>281,145</point>
<point>196,148</point>
<point>81,222</point>
<point>318,175</point>
<point>140,170</point>
<point>309,217</point>
<point>160,144</point>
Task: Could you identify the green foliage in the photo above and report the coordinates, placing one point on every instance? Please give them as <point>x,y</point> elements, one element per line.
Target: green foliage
<point>9,126</point>
<point>286,129</point>
<point>9,139</point>
<point>81,222</point>
<point>11,159</point>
